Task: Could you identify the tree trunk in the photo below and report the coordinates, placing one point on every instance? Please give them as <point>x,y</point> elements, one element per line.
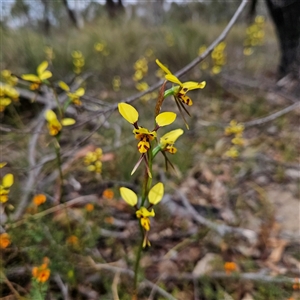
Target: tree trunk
<point>72,15</point>
<point>286,17</point>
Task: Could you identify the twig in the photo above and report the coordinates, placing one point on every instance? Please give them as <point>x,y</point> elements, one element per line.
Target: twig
<point>222,229</point>
<point>33,173</point>
<point>54,209</point>
<point>144,283</point>
<point>222,275</point>
<point>272,116</point>
<point>63,287</point>
<point>114,286</point>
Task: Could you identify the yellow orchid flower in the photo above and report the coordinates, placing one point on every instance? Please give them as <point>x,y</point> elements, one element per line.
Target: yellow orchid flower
<point>54,125</point>
<point>168,140</point>
<point>183,87</point>
<point>74,96</point>
<point>143,214</point>
<point>42,75</point>
<point>145,136</point>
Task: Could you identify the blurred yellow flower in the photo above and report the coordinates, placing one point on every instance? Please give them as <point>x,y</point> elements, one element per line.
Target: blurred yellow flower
<point>93,161</point>
<point>41,77</point>
<point>73,96</point>
<point>55,126</point>
<point>232,152</point>
<point>7,182</point>
<point>9,78</point>
<point>89,207</point>
<point>234,128</point>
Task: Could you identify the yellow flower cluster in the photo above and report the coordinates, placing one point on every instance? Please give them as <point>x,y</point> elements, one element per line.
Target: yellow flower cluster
<point>254,35</point>
<point>93,161</point>
<point>78,61</point>
<point>49,53</point>
<point>6,183</point>
<point>9,78</point>
<point>116,83</point>
<point>218,57</point>
<point>42,273</point>
<point>141,70</point>
<point>237,130</point>
<point>7,94</point>
<point>101,47</point>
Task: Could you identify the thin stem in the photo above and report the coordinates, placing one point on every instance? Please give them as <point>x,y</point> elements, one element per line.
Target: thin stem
<point>137,264</point>
<point>59,165</point>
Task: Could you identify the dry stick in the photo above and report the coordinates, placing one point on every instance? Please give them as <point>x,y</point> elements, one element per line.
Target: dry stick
<point>222,275</point>
<point>272,116</point>
<point>222,229</point>
<point>63,287</point>
<point>32,162</point>
<point>144,283</point>
<point>54,209</point>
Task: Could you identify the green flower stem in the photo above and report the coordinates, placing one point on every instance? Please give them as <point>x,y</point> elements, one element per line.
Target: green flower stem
<point>59,164</point>
<point>156,150</point>
<point>137,262</point>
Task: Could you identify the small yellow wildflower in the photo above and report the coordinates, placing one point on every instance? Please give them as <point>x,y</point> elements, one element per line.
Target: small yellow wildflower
<point>41,77</point>
<point>238,140</point>
<point>39,199</point>
<point>78,61</point>
<point>55,126</point>
<point>7,182</point>
<point>93,161</point>
<point>7,94</point>
<point>4,240</point>
<point>9,78</point>
<point>42,273</point>
<point>142,86</point>
<point>49,53</point>
<point>234,128</point>
<point>232,152</point>
<point>73,96</point>
<point>100,46</point>
<point>116,83</point>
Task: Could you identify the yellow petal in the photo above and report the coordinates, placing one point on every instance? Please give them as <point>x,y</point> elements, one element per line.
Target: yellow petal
<point>68,121</point>
<point>45,75</point>
<point>79,92</point>
<point>64,86</point>
<point>171,136</point>
<point>173,78</point>
<point>5,101</point>
<point>128,196</point>
<point>42,67</point>
<point>128,112</point>
<point>163,67</point>
<point>156,193</point>
<point>8,180</point>
<point>143,212</point>
<point>50,115</point>
<point>165,118</point>
<point>31,77</point>
<point>191,85</point>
